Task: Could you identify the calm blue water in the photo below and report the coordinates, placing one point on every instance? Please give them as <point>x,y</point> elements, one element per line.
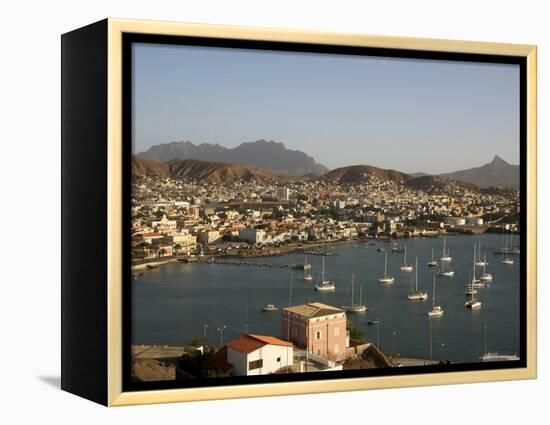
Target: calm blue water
<point>171,304</point>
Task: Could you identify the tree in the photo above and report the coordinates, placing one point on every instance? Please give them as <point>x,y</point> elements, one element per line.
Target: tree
<point>354,332</point>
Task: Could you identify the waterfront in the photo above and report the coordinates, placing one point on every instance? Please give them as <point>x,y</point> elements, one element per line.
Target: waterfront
<point>172,304</point>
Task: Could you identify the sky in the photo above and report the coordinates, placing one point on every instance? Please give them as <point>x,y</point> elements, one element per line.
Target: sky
<point>406,114</point>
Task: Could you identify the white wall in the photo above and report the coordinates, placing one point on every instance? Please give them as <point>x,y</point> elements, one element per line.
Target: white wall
<point>30,134</point>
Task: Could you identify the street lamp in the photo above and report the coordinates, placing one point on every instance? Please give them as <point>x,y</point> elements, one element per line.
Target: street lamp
<point>220,330</point>
<point>442,350</point>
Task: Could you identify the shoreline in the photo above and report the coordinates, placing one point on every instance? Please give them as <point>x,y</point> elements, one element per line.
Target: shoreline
<point>270,252</point>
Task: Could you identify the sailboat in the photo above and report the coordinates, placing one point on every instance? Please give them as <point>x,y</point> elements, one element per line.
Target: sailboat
<point>472,303</point>
<point>486,277</point>
<point>432,263</point>
<point>386,278</point>
<point>355,308</point>
<point>479,261</point>
<point>445,254</point>
<point>406,267</point>
<point>474,280</point>
<point>414,293</point>
<point>444,270</point>
<point>495,356</point>
<point>470,288</point>
<point>507,249</point>
<point>436,309</point>
<point>507,260</point>
<point>325,285</point>
<point>308,277</point>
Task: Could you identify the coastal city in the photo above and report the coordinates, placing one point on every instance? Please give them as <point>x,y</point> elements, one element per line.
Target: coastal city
<point>227,219</point>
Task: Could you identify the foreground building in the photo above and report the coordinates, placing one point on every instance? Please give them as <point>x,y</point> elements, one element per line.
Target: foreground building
<point>259,355</point>
<point>318,328</point>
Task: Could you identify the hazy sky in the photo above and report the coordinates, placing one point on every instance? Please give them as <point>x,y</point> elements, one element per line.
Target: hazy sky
<point>410,115</point>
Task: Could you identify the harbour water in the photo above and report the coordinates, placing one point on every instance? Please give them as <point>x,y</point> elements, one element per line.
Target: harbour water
<point>178,302</point>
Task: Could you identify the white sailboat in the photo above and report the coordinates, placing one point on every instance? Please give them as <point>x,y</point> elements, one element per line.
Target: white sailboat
<point>406,267</point>
<point>414,292</point>
<point>479,261</point>
<point>507,260</point>
<point>494,356</point>
<point>325,285</point>
<point>355,308</point>
<point>308,277</point>
<point>470,288</point>
<point>432,263</point>
<point>472,303</point>
<point>445,254</point>
<point>444,271</point>
<point>386,278</point>
<point>436,310</point>
<point>485,277</point>
<point>474,280</point>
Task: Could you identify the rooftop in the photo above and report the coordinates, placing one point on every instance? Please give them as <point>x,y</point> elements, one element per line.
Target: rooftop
<point>311,310</point>
<point>248,343</point>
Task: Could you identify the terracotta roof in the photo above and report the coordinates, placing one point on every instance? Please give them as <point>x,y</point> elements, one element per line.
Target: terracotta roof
<point>219,360</point>
<point>248,343</point>
<point>314,310</point>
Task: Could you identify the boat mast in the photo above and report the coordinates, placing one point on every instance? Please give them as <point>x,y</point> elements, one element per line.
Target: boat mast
<point>361,295</point>
<point>432,255</point>
<point>386,265</point>
<point>405,256</point>
<point>433,296</point>
<point>416,275</point>
<point>474,266</point>
<point>352,285</point>
<point>323,271</point>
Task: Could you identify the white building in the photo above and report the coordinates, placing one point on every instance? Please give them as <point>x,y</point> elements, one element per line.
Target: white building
<point>259,355</point>
<point>164,225</point>
<point>252,235</point>
<point>209,236</point>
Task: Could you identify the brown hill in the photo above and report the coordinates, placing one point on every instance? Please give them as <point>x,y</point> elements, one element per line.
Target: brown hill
<point>204,171</point>
<point>360,173</point>
<point>435,184</point>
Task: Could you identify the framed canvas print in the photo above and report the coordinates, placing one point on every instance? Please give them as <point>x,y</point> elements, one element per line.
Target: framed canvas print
<point>251,212</point>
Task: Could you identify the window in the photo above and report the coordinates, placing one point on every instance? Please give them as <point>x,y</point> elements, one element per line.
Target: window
<point>318,352</point>
<point>336,348</point>
<point>318,335</point>
<point>336,331</point>
<point>255,364</point>
<point>278,360</point>
<point>294,331</point>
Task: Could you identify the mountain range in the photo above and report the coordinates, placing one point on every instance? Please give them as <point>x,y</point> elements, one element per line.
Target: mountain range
<point>271,160</point>
<point>267,155</point>
<point>497,173</point>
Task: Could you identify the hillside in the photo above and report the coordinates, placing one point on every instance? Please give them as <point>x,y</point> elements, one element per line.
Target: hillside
<point>205,171</point>
<point>362,173</point>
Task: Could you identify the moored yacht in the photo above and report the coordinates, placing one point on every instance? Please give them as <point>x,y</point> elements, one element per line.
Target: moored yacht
<point>486,277</point>
<point>436,310</point>
<point>325,285</point>
<point>472,303</point>
<point>445,256</point>
<point>386,278</point>
<point>355,308</point>
<point>432,263</point>
<point>414,292</point>
<point>406,267</point>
